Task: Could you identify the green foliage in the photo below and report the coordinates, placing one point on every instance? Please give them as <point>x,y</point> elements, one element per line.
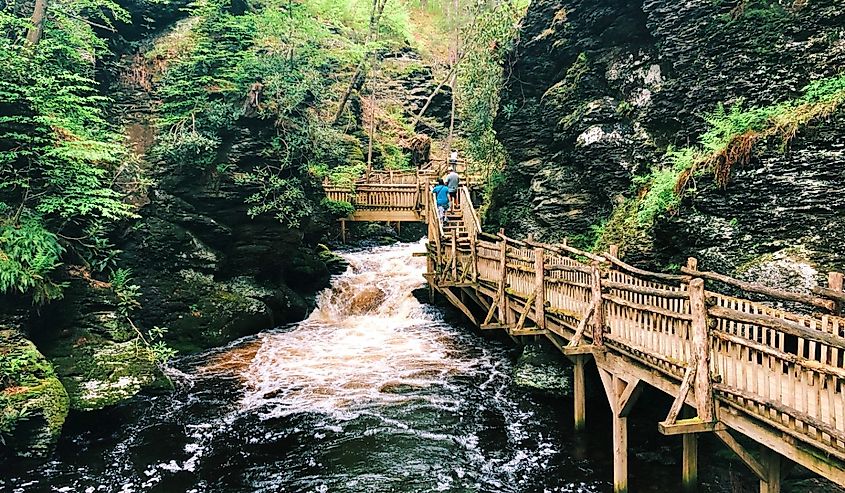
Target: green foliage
<point>338,208</point>
<point>276,62</point>
<point>28,254</point>
<point>483,72</point>
<point>58,154</point>
<point>127,294</point>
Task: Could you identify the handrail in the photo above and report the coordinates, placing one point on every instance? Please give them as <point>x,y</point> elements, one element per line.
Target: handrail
<point>651,314</point>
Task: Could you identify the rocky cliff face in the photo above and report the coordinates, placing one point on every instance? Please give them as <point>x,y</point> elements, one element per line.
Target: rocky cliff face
<point>601,89</point>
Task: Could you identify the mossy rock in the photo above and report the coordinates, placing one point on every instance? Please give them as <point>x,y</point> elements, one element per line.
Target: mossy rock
<point>540,368</point>
<point>33,402</point>
<point>220,312</point>
<point>334,262</point>
<point>98,372</point>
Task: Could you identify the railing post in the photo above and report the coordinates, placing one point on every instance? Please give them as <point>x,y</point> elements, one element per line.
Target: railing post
<point>540,276</point>
<point>454,255</point>
<point>598,314</point>
<point>835,282</point>
<point>473,245</point>
<point>503,273</point>
<point>701,345</point>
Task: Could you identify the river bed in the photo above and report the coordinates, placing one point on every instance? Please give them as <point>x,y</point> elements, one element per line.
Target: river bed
<point>374,392</point>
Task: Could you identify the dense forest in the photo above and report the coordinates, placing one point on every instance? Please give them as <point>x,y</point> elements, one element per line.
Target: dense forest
<point>162,167</point>
<point>163,162</point>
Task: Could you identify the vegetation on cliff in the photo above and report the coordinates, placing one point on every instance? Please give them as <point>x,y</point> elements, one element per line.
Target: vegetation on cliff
<point>59,157</point>
<point>729,142</point>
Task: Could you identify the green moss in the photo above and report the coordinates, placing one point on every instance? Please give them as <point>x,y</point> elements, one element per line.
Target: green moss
<point>623,228</point>
<point>33,402</point>
<point>98,373</point>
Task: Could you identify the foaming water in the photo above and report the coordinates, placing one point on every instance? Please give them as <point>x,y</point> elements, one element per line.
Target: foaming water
<point>374,392</point>
<point>368,342</point>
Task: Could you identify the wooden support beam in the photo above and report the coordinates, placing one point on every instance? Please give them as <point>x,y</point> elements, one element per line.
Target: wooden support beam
<point>743,454</point>
<point>689,425</point>
<point>503,279</point>
<point>579,392</point>
<point>525,309</point>
<point>582,349</point>
<point>489,317</point>
<point>772,463</point>
<point>598,311</point>
<point>582,325</point>
<point>678,403</point>
<point>628,398</point>
<point>455,255</point>
<point>614,388</point>
<point>458,304</point>
<point>701,347</point>
<point>528,332</point>
<point>689,464</point>
<point>496,327</point>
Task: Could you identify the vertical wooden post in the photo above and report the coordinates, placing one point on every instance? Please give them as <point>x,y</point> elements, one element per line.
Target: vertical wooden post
<point>343,230</point>
<point>540,287</point>
<point>503,276</point>
<point>580,392</point>
<point>598,314</point>
<point>689,478</point>
<point>454,255</point>
<point>701,346</point>
<point>772,463</point>
<point>835,282</point>
<point>620,441</point>
<point>614,250</point>
<point>473,245</point>
<point>692,263</point>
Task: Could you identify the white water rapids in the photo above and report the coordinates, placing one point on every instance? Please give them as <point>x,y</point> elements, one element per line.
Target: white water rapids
<point>368,337</point>
<point>374,392</point>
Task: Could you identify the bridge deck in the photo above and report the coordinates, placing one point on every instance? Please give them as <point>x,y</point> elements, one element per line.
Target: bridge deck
<point>746,368</point>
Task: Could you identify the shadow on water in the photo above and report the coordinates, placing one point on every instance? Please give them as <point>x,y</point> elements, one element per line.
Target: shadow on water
<point>373,393</point>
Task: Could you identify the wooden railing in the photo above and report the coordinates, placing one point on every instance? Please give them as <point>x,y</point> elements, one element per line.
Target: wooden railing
<point>782,369</point>
<point>391,196</point>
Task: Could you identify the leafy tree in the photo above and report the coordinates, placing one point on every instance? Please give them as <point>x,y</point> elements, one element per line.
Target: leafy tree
<point>57,152</point>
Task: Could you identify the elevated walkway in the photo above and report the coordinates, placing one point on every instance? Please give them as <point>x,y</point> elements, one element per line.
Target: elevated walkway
<point>742,367</point>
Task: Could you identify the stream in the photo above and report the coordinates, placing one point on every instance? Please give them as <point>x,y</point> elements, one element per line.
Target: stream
<point>374,392</point>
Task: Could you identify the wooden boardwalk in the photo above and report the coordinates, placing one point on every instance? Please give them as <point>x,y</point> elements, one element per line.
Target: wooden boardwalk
<point>743,368</point>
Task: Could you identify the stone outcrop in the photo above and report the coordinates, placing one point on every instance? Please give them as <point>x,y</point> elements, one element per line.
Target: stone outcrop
<point>599,90</point>
<point>33,403</point>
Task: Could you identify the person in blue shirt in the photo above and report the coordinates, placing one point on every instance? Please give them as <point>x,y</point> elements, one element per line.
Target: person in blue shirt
<point>441,193</point>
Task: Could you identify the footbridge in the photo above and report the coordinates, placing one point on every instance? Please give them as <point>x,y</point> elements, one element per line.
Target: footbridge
<point>766,382</point>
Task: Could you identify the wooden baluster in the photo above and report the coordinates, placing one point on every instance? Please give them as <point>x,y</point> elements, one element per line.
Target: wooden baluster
<point>835,282</point>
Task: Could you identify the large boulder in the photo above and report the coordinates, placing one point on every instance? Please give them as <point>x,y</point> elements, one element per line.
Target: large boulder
<point>99,355</point>
<point>33,403</point>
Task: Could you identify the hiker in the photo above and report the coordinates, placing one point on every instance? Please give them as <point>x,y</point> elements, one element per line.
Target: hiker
<point>441,192</point>
<point>452,182</point>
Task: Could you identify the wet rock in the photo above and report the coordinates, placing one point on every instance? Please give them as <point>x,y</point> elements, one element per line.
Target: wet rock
<point>98,355</point>
<point>33,403</point>
<point>600,89</point>
<point>541,368</point>
<point>366,300</point>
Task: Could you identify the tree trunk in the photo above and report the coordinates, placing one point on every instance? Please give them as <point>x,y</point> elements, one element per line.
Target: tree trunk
<point>33,36</point>
<point>375,17</point>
